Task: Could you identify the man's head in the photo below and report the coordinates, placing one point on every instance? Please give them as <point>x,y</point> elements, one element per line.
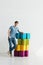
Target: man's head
<point>16,23</point>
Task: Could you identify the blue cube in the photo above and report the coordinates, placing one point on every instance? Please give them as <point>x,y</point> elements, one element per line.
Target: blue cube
<point>27,35</point>
<point>22,36</point>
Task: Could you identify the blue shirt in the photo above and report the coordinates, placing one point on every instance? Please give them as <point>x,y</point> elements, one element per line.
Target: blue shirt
<point>13,31</point>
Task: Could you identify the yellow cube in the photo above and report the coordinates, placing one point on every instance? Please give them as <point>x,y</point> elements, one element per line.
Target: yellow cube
<point>22,47</point>
<point>25,42</point>
<point>17,48</point>
<point>26,47</point>
<point>19,41</point>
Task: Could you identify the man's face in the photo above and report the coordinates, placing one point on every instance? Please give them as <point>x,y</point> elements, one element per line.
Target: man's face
<point>16,24</point>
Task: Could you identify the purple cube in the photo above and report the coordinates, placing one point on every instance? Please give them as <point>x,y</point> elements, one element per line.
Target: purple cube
<point>21,53</point>
<point>26,53</point>
<point>16,53</point>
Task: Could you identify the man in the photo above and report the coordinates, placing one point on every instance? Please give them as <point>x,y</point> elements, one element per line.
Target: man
<point>11,36</point>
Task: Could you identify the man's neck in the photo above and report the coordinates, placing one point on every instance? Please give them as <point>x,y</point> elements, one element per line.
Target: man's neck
<point>14,25</point>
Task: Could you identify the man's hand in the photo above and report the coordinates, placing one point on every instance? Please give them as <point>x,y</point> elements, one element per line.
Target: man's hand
<point>21,32</point>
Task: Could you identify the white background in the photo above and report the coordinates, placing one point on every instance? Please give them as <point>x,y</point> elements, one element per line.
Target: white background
<point>29,13</point>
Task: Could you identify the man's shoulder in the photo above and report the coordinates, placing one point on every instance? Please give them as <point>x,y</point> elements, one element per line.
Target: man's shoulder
<point>11,27</point>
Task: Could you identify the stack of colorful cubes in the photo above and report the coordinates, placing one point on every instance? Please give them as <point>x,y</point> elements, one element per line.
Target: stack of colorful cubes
<point>22,48</point>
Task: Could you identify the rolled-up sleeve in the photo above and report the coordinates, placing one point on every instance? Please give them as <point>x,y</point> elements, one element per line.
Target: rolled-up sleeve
<point>10,27</point>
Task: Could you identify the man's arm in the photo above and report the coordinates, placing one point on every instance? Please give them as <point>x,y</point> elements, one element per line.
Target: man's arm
<point>20,31</point>
<point>9,32</point>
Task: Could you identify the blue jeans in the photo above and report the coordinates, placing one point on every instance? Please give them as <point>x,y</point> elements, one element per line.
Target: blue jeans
<point>11,41</point>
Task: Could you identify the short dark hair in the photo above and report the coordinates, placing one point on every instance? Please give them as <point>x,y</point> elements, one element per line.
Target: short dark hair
<point>16,21</point>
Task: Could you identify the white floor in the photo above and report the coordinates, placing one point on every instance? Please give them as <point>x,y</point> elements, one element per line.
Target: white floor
<point>33,59</point>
